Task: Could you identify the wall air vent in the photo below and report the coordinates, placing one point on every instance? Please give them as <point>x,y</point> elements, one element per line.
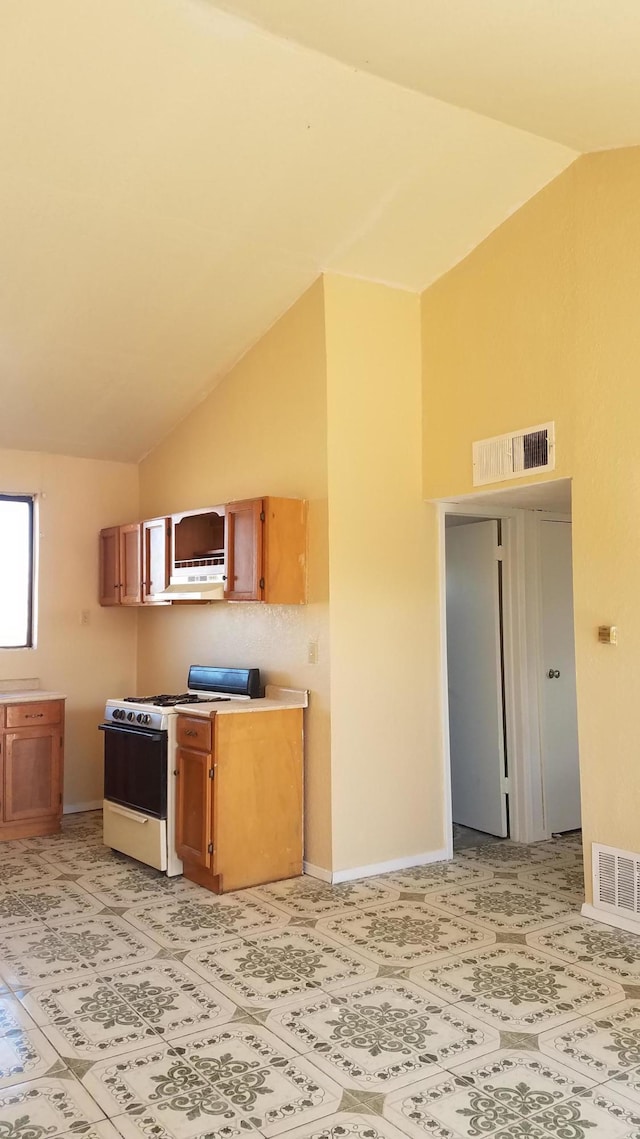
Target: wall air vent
<point>514,455</point>
<point>616,881</point>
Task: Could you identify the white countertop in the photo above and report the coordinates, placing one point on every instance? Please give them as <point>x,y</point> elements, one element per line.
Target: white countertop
<point>276,699</point>
<point>30,694</point>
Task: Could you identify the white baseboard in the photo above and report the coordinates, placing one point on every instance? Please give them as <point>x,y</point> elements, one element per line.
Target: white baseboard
<point>316,871</point>
<point>75,808</point>
<point>617,920</point>
<point>386,867</point>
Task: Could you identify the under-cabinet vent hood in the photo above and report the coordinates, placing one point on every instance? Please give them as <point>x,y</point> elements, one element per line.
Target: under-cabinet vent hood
<point>204,590</point>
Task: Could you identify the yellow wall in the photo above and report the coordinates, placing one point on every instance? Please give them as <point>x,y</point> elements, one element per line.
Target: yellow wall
<point>385,743</point>
<point>540,323</point>
<point>262,431</point>
<point>77,497</point>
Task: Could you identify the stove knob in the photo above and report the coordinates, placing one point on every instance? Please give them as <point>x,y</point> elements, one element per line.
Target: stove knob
<point>117,713</point>
<point>147,718</point>
<point>140,718</point>
<point>131,715</point>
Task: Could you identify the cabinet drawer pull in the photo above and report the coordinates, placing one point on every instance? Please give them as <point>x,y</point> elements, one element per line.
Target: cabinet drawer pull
<point>33,715</point>
<point>190,732</point>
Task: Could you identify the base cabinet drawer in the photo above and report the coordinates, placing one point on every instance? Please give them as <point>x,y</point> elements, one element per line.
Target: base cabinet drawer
<point>134,834</point>
<point>34,715</point>
<point>194,733</point>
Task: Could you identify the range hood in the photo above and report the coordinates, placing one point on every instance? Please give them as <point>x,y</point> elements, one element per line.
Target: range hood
<point>193,591</point>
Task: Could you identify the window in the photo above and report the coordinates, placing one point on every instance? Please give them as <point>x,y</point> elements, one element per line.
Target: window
<point>16,571</point>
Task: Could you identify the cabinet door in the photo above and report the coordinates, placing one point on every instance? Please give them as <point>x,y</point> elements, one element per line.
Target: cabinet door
<point>32,774</point>
<point>110,566</point>
<point>243,550</point>
<point>194,830</point>
<point>155,558</point>
<point>130,565</point>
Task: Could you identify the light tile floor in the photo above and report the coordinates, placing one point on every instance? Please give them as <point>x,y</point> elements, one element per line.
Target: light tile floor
<point>452,1001</point>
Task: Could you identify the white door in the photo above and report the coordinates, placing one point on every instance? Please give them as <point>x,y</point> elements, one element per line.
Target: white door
<point>561,773</point>
<point>476,728</point>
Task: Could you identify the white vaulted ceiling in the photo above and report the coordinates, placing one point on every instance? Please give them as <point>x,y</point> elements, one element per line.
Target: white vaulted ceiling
<point>174,177</point>
<point>563,69</point>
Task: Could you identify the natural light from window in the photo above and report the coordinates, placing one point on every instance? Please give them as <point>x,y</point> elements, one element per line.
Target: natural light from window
<point>15,572</point>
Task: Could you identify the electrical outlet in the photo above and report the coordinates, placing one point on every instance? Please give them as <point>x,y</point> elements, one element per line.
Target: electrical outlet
<point>312,652</point>
<point>84,616</point>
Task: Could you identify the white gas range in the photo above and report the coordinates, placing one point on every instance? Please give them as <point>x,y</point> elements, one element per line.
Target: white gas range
<point>139,762</point>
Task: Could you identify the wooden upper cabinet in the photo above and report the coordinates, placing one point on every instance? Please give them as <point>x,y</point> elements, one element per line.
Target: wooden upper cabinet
<point>130,565</point>
<point>32,774</point>
<point>264,554</point>
<point>266,551</point>
<point>155,559</point>
<point>243,550</point>
<point>194,816</point>
<point>110,566</point>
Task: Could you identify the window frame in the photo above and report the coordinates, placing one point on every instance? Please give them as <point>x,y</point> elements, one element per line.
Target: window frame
<point>30,499</point>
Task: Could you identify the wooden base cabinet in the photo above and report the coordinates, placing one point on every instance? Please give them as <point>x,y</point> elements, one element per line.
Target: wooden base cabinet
<point>239,798</point>
<point>31,767</point>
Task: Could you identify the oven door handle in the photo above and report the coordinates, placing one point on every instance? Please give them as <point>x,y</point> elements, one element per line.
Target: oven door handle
<point>131,731</point>
<point>133,815</point>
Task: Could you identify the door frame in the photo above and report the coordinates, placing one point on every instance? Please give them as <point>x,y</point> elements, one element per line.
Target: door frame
<point>521,599</point>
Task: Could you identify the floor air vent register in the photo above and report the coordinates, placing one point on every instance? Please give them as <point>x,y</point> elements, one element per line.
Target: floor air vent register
<point>616,881</point>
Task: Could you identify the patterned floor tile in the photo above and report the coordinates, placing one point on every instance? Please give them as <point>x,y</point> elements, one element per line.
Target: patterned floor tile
<point>16,869</point>
<point>78,858</point>
<point>41,954</point>
<point>25,1056</point>
<point>448,1107</point>
<point>204,918</point>
<point>436,876</point>
<point>506,907</point>
<point>47,1107</point>
<point>626,1084</point>
<point>239,1077</point>
<point>381,1035</point>
<point>278,968</point>
<point>261,1078</point>
<point>14,914</point>
<point>309,897</point>
<point>173,1000</point>
<point>65,839</point>
<point>13,1017</point>
<point>602,1113</point>
<point>146,1077</point>
<point>102,1130</point>
<point>356,1125</point>
<point>514,856</point>
<point>404,933</point>
<point>601,1046</point>
<point>131,885</point>
<point>198,1114</point>
<point>53,902</point>
<point>609,952</point>
<point>525,1082</point>
<point>565,881</point>
<point>518,989</point>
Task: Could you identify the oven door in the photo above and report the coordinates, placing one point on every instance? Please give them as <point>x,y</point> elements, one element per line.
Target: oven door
<point>135,768</point>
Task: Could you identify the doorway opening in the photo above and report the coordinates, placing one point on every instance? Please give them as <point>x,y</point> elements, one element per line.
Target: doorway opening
<point>509,694</point>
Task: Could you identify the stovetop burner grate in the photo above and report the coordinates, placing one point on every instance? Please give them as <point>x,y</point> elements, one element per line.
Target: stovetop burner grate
<point>168,701</point>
